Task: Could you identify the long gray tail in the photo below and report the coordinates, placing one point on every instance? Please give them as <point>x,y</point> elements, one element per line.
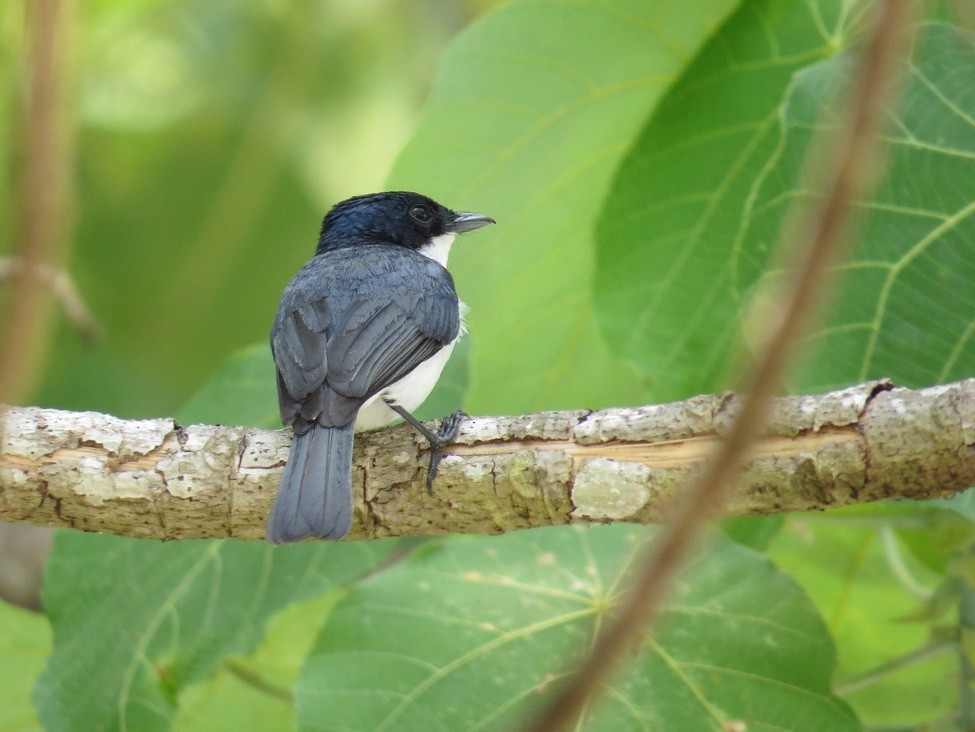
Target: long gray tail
<point>315,497</point>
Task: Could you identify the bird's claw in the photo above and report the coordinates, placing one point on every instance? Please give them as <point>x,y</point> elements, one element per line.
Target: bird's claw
<point>449,427</point>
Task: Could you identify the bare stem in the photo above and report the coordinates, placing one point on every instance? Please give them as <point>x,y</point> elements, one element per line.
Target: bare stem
<point>257,682</point>
<point>45,198</point>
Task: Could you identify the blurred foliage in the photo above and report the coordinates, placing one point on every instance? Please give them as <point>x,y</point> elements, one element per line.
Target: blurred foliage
<point>211,139</point>
<point>640,158</point>
<point>26,642</point>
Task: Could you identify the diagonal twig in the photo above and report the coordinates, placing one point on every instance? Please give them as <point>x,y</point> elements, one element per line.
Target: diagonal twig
<point>846,179</point>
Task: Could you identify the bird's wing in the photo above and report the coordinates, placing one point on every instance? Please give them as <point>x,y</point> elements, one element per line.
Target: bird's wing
<point>298,343</point>
<point>331,359</point>
<point>383,342</point>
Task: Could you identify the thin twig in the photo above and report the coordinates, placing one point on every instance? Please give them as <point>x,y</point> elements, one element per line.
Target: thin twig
<point>847,179</point>
<point>44,221</point>
<point>253,679</point>
<point>62,287</point>
<point>879,673</point>
<point>888,541</point>
<point>45,198</point>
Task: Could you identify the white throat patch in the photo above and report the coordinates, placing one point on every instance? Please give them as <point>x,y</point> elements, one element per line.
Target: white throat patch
<point>438,248</point>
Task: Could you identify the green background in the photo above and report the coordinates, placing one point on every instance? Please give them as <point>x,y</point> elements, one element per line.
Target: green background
<point>640,159</point>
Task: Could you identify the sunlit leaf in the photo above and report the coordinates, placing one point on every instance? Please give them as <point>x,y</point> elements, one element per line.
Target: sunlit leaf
<point>257,686</point>
<point>864,591</point>
<point>531,113</point>
<point>666,241</point>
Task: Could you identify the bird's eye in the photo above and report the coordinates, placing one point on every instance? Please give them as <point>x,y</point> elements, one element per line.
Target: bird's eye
<point>422,214</point>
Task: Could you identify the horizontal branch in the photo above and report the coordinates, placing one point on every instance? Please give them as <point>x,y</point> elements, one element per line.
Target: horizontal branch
<point>156,479</point>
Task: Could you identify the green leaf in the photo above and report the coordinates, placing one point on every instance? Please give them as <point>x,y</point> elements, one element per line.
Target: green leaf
<point>227,703</point>
<point>26,642</point>
<point>152,618</point>
<point>474,635</point>
<point>841,561</point>
<point>698,206</point>
<point>753,531</point>
<point>259,685</point>
<point>666,246</point>
<point>240,392</point>
<point>934,534</point>
<point>533,108</point>
<point>962,503</point>
<point>903,306</point>
<point>932,531</point>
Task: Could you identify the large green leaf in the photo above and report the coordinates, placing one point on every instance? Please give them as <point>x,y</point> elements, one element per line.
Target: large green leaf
<point>533,108</point>
<point>151,618</point>
<point>472,636</point>
<point>666,241</point>
<point>698,207</point>
<point>904,305</point>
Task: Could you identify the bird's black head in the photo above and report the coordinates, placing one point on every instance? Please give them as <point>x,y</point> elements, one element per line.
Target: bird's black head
<point>396,217</point>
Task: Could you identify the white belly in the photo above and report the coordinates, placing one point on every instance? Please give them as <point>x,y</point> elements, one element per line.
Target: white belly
<point>409,392</point>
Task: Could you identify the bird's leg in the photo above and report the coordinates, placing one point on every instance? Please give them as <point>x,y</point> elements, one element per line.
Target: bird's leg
<point>449,427</point>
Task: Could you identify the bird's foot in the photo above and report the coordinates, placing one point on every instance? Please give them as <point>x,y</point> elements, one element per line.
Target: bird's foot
<point>449,427</point>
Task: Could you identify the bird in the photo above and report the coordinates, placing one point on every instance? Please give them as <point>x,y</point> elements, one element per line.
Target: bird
<point>359,339</point>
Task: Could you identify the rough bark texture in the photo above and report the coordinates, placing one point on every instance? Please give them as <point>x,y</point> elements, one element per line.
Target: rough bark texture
<point>156,479</point>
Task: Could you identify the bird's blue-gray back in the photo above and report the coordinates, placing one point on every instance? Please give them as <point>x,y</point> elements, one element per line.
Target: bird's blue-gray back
<point>352,323</point>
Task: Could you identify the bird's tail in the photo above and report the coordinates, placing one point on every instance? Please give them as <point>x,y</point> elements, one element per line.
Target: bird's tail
<point>315,497</point>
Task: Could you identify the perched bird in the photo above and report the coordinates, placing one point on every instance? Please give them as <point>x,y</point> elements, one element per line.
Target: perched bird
<point>360,338</point>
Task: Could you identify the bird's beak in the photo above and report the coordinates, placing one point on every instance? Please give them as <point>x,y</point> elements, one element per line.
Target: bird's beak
<point>462,222</point>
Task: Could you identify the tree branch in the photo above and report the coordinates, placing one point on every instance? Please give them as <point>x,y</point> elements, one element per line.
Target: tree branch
<point>156,479</point>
